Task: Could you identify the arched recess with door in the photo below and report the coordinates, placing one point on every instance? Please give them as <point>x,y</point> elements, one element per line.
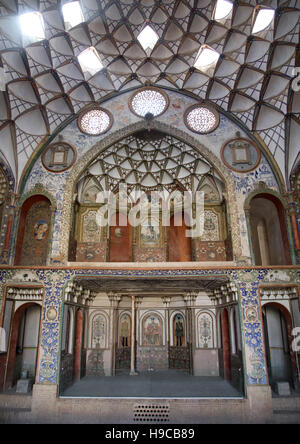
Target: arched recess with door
<point>281,359</point>
<point>150,164</point>
<point>34,231</point>
<point>267,221</point>
<point>23,344</point>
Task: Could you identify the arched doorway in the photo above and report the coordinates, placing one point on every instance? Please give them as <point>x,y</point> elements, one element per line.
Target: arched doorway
<point>180,249</point>
<point>23,344</point>
<point>269,236</point>
<point>277,331</point>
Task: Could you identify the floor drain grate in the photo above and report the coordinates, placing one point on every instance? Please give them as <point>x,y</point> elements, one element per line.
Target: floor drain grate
<point>151,413</point>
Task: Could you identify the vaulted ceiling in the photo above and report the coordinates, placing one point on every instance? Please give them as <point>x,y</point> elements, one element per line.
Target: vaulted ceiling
<point>45,86</point>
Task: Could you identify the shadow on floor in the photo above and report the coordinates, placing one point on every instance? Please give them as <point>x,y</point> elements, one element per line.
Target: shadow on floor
<point>158,384</point>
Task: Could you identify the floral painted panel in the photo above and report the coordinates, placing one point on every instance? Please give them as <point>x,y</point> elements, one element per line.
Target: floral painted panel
<point>205,331</point>
<point>99,332</point>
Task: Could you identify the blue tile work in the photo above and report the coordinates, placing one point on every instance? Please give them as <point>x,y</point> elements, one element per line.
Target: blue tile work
<point>246,280</point>
<point>246,183</point>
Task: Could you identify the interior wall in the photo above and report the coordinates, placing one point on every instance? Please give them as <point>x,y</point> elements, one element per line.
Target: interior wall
<point>264,210</point>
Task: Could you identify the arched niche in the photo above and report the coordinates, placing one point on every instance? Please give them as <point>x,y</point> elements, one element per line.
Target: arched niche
<point>268,232</point>
<point>178,330</point>
<point>212,179</point>
<point>80,171</point>
<point>34,231</point>
<point>206,330</point>
<point>124,337</point>
<point>152,330</point>
<point>99,331</point>
<point>281,359</point>
<point>23,343</point>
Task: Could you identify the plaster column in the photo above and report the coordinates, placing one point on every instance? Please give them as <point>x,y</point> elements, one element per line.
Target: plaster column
<point>166,301</point>
<point>292,214</point>
<point>189,299</point>
<point>114,299</point>
<point>12,203</point>
<point>133,338</point>
<point>257,388</point>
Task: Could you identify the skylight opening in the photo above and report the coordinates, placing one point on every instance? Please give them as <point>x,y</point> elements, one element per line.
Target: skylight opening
<point>206,58</point>
<point>263,20</point>
<point>73,15</point>
<point>223,9</point>
<point>148,38</point>
<point>90,61</point>
<point>32,26</point>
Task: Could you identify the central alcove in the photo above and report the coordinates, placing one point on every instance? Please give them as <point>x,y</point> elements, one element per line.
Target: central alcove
<point>139,200</point>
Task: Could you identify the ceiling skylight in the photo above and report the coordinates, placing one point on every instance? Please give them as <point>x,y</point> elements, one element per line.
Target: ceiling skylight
<point>72,14</point>
<point>206,58</point>
<point>32,26</point>
<point>90,61</point>
<point>263,20</point>
<point>223,9</point>
<point>148,38</point>
<point>149,100</point>
<point>95,121</point>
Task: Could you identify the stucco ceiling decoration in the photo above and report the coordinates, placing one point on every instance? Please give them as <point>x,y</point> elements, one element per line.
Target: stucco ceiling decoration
<point>45,84</point>
<point>147,162</point>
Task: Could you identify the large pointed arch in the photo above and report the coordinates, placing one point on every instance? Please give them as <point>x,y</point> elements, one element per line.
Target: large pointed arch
<point>108,141</point>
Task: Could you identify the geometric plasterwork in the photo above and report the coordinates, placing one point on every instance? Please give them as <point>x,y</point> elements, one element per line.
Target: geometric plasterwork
<point>195,147</point>
<point>3,187</point>
<point>45,86</point>
<point>149,161</point>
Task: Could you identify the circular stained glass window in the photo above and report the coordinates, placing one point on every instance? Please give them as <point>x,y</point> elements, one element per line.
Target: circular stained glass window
<point>201,119</point>
<point>149,101</point>
<point>95,121</point>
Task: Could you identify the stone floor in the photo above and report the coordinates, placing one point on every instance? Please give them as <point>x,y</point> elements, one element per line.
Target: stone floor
<point>171,383</point>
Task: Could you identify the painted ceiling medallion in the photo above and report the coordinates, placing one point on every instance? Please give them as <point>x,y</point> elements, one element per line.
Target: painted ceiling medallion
<point>201,119</point>
<point>240,155</point>
<point>149,102</point>
<point>59,157</point>
<point>95,121</point>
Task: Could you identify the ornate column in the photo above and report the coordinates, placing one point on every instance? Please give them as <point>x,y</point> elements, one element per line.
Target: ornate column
<point>293,215</point>
<point>12,204</point>
<point>166,301</point>
<point>189,299</point>
<point>256,378</point>
<point>114,299</point>
<point>133,338</point>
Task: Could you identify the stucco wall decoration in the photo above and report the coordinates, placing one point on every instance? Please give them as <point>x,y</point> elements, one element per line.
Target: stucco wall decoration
<point>240,154</point>
<point>59,157</point>
<point>246,281</point>
<point>126,123</point>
